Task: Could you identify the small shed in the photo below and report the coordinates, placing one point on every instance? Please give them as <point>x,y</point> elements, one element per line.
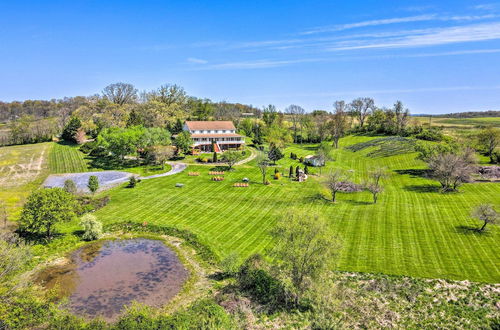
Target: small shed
<point>314,161</point>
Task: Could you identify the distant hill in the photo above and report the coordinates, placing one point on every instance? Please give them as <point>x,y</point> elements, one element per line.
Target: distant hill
<point>468,114</point>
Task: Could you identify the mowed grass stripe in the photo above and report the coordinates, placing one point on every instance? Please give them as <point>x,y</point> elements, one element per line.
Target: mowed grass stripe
<point>412,230</point>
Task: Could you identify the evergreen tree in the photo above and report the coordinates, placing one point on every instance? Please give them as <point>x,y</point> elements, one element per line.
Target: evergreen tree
<point>274,153</point>
<point>297,169</point>
<point>69,131</point>
<point>93,184</point>
<point>214,159</point>
<point>306,170</point>
<point>290,174</point>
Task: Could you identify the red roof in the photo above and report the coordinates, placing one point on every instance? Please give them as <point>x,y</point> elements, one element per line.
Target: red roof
<point>210,125</point>
<point>219,135</point>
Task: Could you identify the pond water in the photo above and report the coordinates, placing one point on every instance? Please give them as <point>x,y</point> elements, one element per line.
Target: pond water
<point>104,277</point>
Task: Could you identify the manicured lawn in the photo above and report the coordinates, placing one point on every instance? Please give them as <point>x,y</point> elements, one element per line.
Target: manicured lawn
<point>66,158</point>
<point>412,230</point>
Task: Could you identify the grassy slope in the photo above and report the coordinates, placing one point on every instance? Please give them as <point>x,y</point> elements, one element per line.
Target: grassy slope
<point>460,121</point>
<point>66,158</point>
<point>413,230</point>
<point>22,169</point>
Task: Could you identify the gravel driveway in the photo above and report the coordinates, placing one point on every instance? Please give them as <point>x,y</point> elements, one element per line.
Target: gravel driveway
<point>107,179</point>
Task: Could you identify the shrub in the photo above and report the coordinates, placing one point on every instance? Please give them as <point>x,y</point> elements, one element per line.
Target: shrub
<point>93,183</point>
<point>132,182</point>
<point>301,159</point>
<point>430,135</point>
<point>88,204</point>
<point>230,264</point>
<point>70,186</point>
<point>92,228</point>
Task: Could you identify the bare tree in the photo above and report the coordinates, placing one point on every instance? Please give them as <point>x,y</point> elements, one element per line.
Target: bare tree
<point>374,184</point>
<point>295,112</point>
<point>120,93</point>
<point>338,124</point>
<point>489,138</point>
<point>485,213</point>
<point>168,94</point>
<point>361,107</point>
<point>263,164</point>
<point>334,182</point>
<point>452,169</point>
<point>402,116</point>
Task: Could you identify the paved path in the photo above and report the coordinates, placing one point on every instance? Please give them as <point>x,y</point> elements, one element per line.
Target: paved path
<point>249,158</point>
<point>176,168</point>
<point>107,179</point>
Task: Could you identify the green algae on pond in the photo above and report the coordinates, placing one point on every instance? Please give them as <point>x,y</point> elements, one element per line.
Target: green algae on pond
<point>104,277</point>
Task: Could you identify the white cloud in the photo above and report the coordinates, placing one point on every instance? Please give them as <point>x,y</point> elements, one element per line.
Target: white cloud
<point>397,20</point>
<point>377,22</point>
<point>197,60</point>
<point>442,36</point>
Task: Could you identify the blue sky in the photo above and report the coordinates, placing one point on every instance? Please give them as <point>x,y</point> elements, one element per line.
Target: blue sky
<point>437,57</point>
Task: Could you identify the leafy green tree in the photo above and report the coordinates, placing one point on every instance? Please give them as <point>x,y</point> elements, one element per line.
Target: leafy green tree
<point>183,142</point>
<point>70,186</point>
<point>489,139</point>
<point>485,213</point>
<point>274,154</point>
<point>119,141</point>
<point>93,183</point>
<point>92,229</point>
<point>120,93</point>
<point>231,158</point>
<point>153,136</point>
<point>45,208</point>
<point>71,128</point>
<point>305,250</point>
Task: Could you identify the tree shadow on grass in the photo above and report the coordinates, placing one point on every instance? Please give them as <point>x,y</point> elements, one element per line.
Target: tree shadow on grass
<point>220,168</point>
<point>425,188</point>
<point>318,197</point>
<point>110,163</point>
<point>310,148</point>
<point>468,230</point>
<point>37,238</point>
<point>355,202</point>
<point>415,173</point>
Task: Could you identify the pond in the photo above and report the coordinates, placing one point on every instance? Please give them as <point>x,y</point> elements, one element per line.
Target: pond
<point>103,277</point>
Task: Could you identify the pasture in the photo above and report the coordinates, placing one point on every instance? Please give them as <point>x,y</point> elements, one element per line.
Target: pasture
<point>460,122</point>
<point>412,230</point>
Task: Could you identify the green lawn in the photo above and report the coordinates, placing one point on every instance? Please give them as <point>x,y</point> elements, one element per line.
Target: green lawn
<point>67,158</point>
<point>412,230</point>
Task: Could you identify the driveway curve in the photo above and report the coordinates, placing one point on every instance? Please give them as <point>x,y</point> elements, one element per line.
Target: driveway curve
<point>107,179</point>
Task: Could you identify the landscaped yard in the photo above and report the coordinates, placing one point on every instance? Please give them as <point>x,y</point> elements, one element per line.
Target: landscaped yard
<point>412,230</point>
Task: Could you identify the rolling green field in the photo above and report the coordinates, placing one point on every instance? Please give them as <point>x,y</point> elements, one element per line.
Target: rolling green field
<point>461,122</point>
<point>412,230</point>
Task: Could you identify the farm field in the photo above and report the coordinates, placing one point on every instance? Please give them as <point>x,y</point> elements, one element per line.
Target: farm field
<point>412,230</point>
<point>460,122</point>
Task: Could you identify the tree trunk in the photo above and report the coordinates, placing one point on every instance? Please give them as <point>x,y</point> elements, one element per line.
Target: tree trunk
<point>333,196</point>
<point>375,198</point>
